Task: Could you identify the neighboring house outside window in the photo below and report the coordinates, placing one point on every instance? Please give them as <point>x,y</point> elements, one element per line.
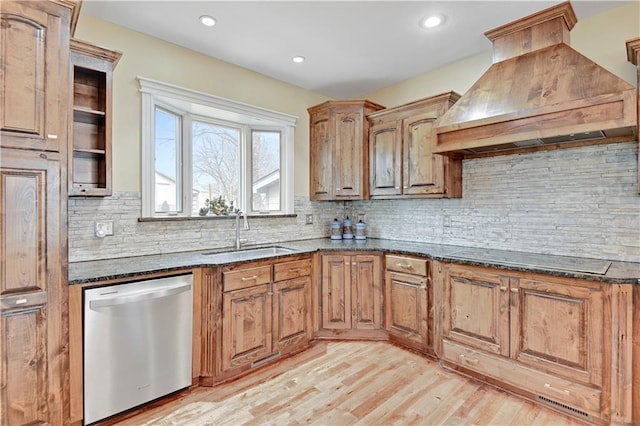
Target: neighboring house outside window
<point>206,155</point>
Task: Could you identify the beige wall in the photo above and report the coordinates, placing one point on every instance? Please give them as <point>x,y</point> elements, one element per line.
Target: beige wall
<point>601,38</point>
<point>158,60</point>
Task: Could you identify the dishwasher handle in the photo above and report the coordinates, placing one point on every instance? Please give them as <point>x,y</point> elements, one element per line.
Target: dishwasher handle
<point>139,297</point>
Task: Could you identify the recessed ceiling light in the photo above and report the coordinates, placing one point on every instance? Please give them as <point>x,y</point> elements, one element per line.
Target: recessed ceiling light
<point>431,21</point>
<point>298,59</point>
<point>207,20</point>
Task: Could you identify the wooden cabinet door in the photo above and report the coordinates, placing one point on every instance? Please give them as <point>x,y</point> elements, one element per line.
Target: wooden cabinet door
<point>291,314</point>
<point>348,155</point>
<point>476,309</point>
<point>385,156</point>
<point>406,307</point>
<point>33,291</point>
<point>366,292</point>
<point>558,328</point>
<point>423,170</point>
<point>34,78</point>
<point>336,292</point>
<point>321,156</point>
<point>246,326</point>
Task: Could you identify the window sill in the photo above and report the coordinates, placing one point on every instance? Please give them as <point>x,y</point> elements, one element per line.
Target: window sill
<point>189,218</point>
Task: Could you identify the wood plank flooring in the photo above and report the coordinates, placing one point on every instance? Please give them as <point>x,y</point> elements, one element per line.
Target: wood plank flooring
<point>353,383</point>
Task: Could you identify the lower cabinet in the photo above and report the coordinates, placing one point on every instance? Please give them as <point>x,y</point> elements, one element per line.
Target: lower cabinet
<point>552,338</point>
<point>351,296</point>
<point>407,301</point>
<point>252,314</point>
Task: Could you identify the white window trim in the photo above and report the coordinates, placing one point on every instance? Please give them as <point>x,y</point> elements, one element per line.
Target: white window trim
<point>155,92</point>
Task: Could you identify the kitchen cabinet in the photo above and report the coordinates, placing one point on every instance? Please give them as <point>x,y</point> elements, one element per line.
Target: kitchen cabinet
<point>401,158</point>
<point>351,296</point>
<point>35,46</point>
<point>633,56</point>
<point>34,39</point>
<point>338,148</point>
<point>291,305</point>
<point>254,313</point>
<point>246,318</point>
<point>543,335</point>
<point>407,301</point>
<point>91,123</point>
<point>33,289</point>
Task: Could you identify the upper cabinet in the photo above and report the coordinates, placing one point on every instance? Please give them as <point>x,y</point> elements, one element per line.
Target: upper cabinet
<point>33,76</point>
<point>338,150</point>
<point>633,55</point>
<point>90,150</point>
<point>401,158</point>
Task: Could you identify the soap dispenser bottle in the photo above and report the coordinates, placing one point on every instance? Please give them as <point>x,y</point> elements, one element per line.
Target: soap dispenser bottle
<point>347,230</point>
<point>336,229</point>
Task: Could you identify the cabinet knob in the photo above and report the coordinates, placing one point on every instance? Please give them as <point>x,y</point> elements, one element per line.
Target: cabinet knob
<point>503,288</point>
<point>514,289</point>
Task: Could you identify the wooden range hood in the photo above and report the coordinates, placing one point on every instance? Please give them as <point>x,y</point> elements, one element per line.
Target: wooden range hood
<point>539,92</point>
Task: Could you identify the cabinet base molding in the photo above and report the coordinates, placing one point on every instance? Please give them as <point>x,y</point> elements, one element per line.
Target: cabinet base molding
<point>409,343</point>
<point>580,401</point>
<point>352,334</point>
<point>259,374</point>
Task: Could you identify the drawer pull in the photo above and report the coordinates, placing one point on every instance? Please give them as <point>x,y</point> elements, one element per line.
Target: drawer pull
<point>472,361</point>
<point>295,270</point>
<point>514,289</point>
<point>252,277</point>
<point>503,288</point>
<point>562,391</point>
<point>404,266</point>
<point>21,301</point>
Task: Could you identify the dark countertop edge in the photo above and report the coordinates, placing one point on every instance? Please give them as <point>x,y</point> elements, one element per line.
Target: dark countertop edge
<point>355,247</point>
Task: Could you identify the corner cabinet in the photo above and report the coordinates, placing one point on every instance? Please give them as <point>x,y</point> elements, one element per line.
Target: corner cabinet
<point>351,296</point>
<point>90,147</point>
<point>401,159</point>
<point>338,150</point>
<point>553,339</point>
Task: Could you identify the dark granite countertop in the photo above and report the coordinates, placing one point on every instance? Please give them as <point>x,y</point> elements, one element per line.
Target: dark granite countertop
<point>613,272</point>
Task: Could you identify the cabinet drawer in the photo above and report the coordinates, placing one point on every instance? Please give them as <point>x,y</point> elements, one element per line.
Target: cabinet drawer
<point>574,395</point>
<point>408,265</point>
<point>294,269</point>
<point>244,278</point>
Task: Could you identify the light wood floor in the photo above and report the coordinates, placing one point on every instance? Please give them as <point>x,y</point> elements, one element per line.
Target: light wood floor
<point>354,383</point>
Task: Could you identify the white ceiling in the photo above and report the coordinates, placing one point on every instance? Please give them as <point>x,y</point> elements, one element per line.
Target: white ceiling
<point>352,47</point>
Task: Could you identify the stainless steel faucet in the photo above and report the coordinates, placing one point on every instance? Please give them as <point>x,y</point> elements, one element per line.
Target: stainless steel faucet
<point>239,212</point>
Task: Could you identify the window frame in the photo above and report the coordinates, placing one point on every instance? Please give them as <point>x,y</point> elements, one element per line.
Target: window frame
<point>192,105</point>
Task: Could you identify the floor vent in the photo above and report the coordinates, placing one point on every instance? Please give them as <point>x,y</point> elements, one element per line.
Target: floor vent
<point>564,408</point>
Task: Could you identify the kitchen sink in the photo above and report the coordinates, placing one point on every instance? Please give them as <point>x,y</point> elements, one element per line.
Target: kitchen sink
<point>248,254</point>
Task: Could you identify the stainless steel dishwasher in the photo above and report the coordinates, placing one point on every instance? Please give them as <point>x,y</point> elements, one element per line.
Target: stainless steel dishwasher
<point>137,343</point>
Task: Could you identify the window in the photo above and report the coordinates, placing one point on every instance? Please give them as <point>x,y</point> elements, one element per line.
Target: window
<point>204,155</point>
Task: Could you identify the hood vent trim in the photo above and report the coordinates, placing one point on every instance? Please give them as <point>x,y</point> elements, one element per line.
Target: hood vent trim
<point>539,93</point>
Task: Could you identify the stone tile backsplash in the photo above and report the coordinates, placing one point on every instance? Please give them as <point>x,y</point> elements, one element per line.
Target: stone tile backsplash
<point>578,201</point>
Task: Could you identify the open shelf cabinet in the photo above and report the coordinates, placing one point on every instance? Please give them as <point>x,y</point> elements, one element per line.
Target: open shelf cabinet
<point>90,151</point>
